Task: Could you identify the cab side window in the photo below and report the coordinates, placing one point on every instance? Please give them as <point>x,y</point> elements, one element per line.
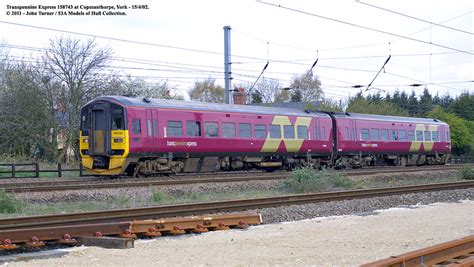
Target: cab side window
<point>136,127</point>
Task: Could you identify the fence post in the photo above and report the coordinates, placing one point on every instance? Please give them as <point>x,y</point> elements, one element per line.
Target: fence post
<point>37,170</point>
<point>13,170</point>
<point>60,174</point>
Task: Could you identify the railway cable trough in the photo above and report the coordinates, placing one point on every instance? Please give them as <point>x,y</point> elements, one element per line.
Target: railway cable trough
<point>459,252</point>
<point>77,231</point>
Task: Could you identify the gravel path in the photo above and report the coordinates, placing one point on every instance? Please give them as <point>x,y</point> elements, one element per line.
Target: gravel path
<point>347,240</point>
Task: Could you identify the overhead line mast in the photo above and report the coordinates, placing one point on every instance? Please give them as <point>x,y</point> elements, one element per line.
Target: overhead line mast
<point>227,66</point>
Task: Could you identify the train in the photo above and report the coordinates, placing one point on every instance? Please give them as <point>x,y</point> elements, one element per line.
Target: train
<point>140,137</point>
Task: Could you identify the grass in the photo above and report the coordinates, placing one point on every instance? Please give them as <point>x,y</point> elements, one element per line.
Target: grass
<point>8,203</point>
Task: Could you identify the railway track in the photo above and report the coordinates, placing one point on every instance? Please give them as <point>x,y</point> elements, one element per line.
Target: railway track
<point>34,229</point>
<point>99,183</point>
<point>458,252</point>
<point>216,207</point>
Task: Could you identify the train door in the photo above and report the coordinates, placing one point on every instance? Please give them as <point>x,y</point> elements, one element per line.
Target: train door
<point>100,130</point>
<point>149,126</point>
<point>353,133</point>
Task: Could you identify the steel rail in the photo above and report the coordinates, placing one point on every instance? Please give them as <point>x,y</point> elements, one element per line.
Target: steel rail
<point>42,186</point>
<point>459,252</point>
<point>216,207</point>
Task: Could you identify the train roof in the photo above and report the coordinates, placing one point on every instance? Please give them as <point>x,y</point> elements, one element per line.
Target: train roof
<point>204,106</point>
<point>374,117</point>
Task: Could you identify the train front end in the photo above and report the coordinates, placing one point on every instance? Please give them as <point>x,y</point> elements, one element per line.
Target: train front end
<point>104,138</point>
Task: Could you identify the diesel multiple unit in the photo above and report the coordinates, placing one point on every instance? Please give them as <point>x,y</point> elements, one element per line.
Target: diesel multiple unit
<point>141,136</point>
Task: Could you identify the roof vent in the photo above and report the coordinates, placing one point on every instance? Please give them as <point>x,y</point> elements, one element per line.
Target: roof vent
<point>347,113</point>
<point>436,120</point>
<point>146,100</point>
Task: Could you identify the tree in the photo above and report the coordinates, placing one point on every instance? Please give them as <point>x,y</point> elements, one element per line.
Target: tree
<point>271,91</point>
<point>308,86</point>
<point>256,97</point>
<point>461,137</point>
<point>328,104</point>
<point>360,105</point>
<point>426,103</point>
<point>413,104</point>
<point>25,114</point>
<point>207,91</point>
<point>296,96</point>
<point>463,106</point>
<point>77,65</point>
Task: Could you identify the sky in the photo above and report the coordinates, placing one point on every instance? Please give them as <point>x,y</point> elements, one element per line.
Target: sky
<point>182,41</point>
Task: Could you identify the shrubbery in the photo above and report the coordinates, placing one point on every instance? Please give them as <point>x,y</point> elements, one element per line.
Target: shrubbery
<point>306,179</point>
<point>467,173</point>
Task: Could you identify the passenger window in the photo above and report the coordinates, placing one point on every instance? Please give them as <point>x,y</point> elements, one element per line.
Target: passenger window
<point>448,136</point>
<point>228,130</point>
<point>346,133</point>
<point>427,136</point>
<point>174,128</point>
<point>411,135</point>
<point>275,131</point>
<point>136,127</point>
<point>365,134</point>
<point>375,134</point>
<point>434,136</point>
<point>324,134</point>
<point>419,135</point>
<point>394,135</point>
<point>302,132</point>
<point>117,118</point>
<point>384,135</point>
<point>193,128</point>
<point>260,131</point>
<point>403,135</point>
<point>245,130</point>
<point>289,132</point>
<point>212,129</point>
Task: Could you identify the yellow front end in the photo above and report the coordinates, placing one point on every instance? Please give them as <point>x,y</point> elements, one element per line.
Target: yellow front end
<point>120,146</point>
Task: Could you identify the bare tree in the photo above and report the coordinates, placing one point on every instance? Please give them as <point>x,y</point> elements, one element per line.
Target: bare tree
<point>306,87</point>
<point>270,90</point>
<point>77,65</point>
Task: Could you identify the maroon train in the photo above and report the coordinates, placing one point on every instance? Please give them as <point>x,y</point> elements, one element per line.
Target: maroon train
<point>149,136</point>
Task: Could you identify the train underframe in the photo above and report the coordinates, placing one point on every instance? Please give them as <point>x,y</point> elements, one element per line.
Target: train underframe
<point>169,164</point>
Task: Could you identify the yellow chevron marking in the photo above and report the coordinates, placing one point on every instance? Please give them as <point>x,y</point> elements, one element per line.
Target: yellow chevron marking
<point>415,146</point>
<point>292,145</point>
<point>427,145</point>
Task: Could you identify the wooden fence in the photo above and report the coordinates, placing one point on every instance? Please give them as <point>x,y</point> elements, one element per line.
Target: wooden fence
<point>32,170</point>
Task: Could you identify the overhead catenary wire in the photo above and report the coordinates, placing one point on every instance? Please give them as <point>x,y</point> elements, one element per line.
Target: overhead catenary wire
<point>412,17</point>
<point>364,27</point>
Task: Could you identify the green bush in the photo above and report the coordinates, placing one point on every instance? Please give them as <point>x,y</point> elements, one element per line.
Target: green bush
<point>306,179</point>
<point>467,173</point>
<point>8,204</point>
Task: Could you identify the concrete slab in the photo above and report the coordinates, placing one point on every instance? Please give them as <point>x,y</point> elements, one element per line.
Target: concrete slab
<point>106,242</point>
